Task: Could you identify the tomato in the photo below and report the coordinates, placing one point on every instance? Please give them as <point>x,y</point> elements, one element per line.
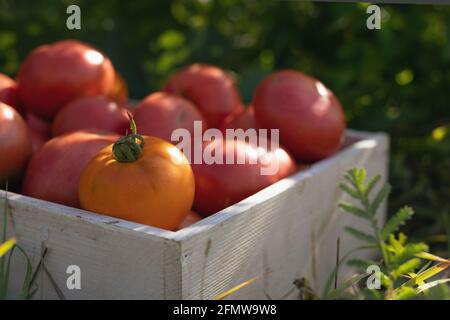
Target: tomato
<point>8,91</point>
<point>190,219</point>
<point>119,91</point>
<point>310,118</point>
<point>210,88</point>
<point>91,113</point>
<point>38,124</point>
<point>15,144</point>
<point>52,75</point>
<point>218,186</point>
<point>141,179</point>
<point>160,113</point>
<point>243,120</point>
<point>37,140</point>
<point>54,171</point>
<point>39,129</point>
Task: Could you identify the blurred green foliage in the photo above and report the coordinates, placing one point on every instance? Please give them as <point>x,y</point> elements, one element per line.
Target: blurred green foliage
<point>396,79</point>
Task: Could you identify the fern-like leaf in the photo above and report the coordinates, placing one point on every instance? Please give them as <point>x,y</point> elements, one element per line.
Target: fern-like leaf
<point>361,263</point>
<point>361,235</point>
<point>371,184</point>
<point>396,221</point>
<point>380,197</point>
<point>354,210</point>
<point>352,192</point>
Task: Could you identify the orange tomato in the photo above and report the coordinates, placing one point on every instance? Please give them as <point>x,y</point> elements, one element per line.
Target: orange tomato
<point>141,179</point>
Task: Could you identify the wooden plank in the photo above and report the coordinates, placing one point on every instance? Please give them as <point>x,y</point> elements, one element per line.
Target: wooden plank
<point>285,232</point>
<point>116,262</point>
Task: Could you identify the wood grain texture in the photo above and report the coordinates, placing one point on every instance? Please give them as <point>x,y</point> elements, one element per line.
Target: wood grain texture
<point>116,262</point>
<point>282,233</point>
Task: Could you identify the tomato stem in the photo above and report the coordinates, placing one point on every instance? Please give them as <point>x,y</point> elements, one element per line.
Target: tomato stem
<point>127,148</point>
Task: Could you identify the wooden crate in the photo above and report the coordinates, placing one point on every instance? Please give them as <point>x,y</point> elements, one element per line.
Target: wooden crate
<point>285,232</point>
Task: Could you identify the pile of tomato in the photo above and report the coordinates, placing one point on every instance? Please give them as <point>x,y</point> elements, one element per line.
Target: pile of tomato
<point>70,135</point>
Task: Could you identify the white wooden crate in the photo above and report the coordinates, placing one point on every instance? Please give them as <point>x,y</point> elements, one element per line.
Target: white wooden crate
<point>284,232</point>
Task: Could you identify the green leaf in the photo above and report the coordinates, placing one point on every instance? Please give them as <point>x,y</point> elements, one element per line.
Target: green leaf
<point>380,197</point>
<point>404,268</point>
<point>439,292</point>
<point>350,208</point>
<point>396,221</point>
<point>361,263</point>
<point>409,251</point>
<point>360,175</point>
<point>361,235</point>
<point>425,275</point>
<point>431,257</point>
<point>371,184</point>
<point>405,293</point>
<point>352,192</point>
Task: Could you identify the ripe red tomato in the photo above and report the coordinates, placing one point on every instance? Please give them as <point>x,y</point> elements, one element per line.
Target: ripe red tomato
<point>119,91</point>
<point>52,75</point>
<point>210,88</point>
<point>160,113</point>
<point>40,130</point>
<point>54,171</point>
<point>91,113</point>
<point>218,186</point>
<point>243,120</point>
<point>15,144</point>
<point>310,118</point>
<point>37,140</point>
<point>38,124</point>
<point>8,91</point>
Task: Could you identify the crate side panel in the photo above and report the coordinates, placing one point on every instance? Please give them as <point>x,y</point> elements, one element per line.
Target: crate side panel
<point>279,238</point>
<point>114,263</point>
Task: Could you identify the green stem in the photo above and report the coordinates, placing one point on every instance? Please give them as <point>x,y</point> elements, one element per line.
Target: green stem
<point>127,149</point>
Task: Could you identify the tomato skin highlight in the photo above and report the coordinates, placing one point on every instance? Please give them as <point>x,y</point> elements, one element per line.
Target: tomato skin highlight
<point>15,144</point>
<point>221,185</point>
<point>54,74</point>
<point>160,113</point>
<point>157,189</point>
<point>309,116</point>
<point>211,90</point>
<point>95,112</point>
<point>54,171</point>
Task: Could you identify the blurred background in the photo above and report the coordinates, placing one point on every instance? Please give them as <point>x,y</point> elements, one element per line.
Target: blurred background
<point>396,79</point>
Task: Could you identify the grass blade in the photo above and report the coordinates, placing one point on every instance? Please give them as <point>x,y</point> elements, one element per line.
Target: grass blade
<point>234,289</point>
<point>24,293</point>
<point>8,245</point>
<point>431,284</point>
